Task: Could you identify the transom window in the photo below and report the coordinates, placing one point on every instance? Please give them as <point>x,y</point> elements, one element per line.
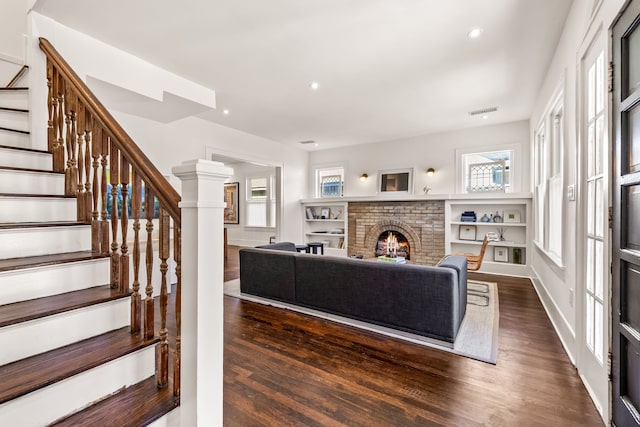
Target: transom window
<point>487,171</point>
<point>330,182</point>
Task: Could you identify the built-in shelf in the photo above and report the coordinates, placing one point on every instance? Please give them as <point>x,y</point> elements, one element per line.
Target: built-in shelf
<point>490,224</point>
<point>516,234</point>
<point>319,229</point>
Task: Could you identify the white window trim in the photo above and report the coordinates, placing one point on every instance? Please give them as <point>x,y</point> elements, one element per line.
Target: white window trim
<point>313,178</point>
<point>269,199</point>
<point>555,104</point>
<point>515,169</point>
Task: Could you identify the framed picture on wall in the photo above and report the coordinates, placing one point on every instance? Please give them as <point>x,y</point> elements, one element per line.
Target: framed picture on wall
<point>395,181</point>
<point>231,209</point>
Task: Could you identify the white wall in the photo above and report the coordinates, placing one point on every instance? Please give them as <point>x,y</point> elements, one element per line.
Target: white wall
<point>239,234</point>
<point>436,151</point>
<point>13,30</point>
<point>166,144</point>
<point>169,144</point>
<point>553,281</point>
<point>558,287</point>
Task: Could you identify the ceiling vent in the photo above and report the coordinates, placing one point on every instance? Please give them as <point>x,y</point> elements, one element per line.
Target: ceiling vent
<point>307,142</point>
<point>483,111</point>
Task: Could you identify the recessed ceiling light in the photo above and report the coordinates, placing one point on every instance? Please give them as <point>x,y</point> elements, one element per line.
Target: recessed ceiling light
<point>475,33</point>
<point>485,117</point>
<point>225,112</point>
<point>316,144</point>
<point>314,85</point>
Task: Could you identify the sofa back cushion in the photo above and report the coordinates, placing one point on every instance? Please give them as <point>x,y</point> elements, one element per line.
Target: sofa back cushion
<point>411,298</point>
<point>268,273</point>
<point>280,246</point>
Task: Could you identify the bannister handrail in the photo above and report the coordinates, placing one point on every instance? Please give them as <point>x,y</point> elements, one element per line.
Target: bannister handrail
<point>161,188</point>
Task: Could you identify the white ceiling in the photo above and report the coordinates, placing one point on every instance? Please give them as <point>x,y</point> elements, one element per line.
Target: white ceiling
<point>387,69</point>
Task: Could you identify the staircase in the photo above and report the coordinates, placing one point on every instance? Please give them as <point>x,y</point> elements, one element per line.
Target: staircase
<point>69,353</point>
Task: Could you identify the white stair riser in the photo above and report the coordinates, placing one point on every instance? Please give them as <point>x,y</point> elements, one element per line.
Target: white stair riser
<point>172,419</point>
<point>15,120</point>
<point>46,405</point>
<point>23,242</point>
<point>31,283</point>
<point>14,99</point>
<point>37,209</point>
<point>25,159</point>
<point>40,335</point>
<point>23,182</point>
<point>15,139</point>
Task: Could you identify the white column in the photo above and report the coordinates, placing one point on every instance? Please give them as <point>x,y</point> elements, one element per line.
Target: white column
<point>202,291</point>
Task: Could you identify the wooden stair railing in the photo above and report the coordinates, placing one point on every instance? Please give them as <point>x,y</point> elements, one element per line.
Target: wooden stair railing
<point>95,152</point>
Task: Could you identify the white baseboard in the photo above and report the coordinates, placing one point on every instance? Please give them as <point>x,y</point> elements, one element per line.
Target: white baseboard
<point>563,329</point>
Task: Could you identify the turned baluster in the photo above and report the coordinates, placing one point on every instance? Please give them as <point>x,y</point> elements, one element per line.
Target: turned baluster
<point>80,142</point>
<point>59,119</point>
<point>115,258</point>
<point>149,210</point>
<point>177,257</point>
<point>162,349</point>
<point>124,221</point>
<point>104,222</point>
<point>96,149</point>
<point>87,165</point>
<point>51,108</point>
<point>71,172</point>
<point>136,210</point>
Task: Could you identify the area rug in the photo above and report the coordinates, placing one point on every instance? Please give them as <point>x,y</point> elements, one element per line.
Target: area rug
<point>477,337</point>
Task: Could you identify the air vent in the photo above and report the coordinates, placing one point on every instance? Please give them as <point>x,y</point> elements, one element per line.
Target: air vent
<point>307,142</point>
<point>483,111</point>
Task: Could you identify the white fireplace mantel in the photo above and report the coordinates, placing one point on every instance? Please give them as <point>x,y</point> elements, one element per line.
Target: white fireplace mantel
<point>408,198</point>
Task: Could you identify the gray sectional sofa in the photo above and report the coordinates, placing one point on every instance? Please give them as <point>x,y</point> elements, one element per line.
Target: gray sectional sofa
<point>423,300</point>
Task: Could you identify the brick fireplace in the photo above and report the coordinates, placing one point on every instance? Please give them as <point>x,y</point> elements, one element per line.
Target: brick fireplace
<point>420,222</point>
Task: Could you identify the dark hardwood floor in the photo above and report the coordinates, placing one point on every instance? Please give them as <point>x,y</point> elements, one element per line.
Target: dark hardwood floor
<point>288,369</point>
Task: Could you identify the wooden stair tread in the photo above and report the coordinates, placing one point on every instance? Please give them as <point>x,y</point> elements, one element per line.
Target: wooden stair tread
<point>137,405</point>
<point>29,170</point>
<point>17,88</point>
<point>35,372</point>
<point>15,110</point>
<point>43,260</point>
<point>9,225</point>
<point>23,311</point>
<point>26,132</point>
<point>44,196</point>
<point>31,150</point>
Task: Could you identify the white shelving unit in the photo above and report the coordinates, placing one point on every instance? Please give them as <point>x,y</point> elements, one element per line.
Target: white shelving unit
<point>517,235</point>
<point>331,231</point>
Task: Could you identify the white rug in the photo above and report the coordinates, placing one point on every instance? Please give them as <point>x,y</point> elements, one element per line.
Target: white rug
<point>477,337</point>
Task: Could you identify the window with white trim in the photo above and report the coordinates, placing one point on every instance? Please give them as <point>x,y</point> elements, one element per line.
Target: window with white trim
<point>549,179</point>
<point>488,171</point>
<point>260,202</point>
<point>330,182</point>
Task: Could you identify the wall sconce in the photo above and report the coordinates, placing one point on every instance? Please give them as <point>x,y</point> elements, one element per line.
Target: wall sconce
<point>364,177</point>
<point>431,172</point>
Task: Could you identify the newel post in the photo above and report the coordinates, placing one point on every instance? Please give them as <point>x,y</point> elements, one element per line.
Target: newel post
<point>202,291</point>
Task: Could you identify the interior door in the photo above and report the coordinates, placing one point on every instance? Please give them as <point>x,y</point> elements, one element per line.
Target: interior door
<point>625,332</point>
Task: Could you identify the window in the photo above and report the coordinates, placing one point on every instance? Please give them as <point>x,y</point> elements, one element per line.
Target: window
<point>330,182</point>
<point>549,179</point>
<point>260,202</point>
<point>487,171</point>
